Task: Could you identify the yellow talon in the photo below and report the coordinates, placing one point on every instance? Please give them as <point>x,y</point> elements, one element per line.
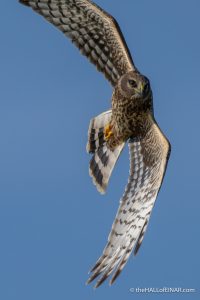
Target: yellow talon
<point>108,132</point>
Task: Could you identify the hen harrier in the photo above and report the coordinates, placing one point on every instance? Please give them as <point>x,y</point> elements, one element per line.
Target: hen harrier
<point>131,120</point>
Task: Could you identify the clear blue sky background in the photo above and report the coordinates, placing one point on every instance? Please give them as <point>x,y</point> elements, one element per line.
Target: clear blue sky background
<point>53,223</point>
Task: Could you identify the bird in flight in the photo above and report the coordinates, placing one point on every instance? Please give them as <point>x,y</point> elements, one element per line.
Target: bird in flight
<point>130,120</point>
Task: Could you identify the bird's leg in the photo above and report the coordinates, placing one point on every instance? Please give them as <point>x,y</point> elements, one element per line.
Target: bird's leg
<point>108,131</point>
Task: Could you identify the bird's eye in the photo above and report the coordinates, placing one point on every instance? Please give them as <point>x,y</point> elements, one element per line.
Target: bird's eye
<point>132,83</point>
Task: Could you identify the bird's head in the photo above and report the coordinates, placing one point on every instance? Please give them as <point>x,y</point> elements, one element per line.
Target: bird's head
<point>135,86</point>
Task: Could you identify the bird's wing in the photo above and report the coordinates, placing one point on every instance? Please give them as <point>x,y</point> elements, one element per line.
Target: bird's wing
<point>92,30</point>
<point>148,161</point>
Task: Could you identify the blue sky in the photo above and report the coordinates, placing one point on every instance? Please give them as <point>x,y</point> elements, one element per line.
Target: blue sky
<point>53,223</point>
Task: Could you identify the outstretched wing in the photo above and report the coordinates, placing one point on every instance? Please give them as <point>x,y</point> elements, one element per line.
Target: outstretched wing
<point>92,30</point>
<point>148,161</point>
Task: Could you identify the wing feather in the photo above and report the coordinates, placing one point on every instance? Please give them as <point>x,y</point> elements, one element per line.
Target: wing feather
<point>148,161</point>
<point>92,30</point>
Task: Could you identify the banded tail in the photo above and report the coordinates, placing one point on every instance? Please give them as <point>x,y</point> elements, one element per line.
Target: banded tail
<point>104,159</point>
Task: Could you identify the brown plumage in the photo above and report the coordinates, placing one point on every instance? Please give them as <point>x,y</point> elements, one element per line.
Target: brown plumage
<point>131,119</point>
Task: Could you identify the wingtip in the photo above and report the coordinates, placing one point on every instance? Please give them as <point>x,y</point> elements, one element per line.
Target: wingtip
<point>92,277</point>
<point>24,2</point>
<point>96,286</point>
<point>99,282</point>
<point>110,282</point>
<point>88,282</point>
<point>94,268</point>
<point>114,277</point>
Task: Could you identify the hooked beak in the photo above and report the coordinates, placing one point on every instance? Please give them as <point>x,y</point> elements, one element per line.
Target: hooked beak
<point>140,89</point>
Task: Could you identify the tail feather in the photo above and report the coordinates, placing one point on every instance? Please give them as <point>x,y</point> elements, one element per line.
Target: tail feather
<point>104,159</point>
<point>96,131</point>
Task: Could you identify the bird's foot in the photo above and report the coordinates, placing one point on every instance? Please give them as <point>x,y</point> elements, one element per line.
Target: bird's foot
<point>108,132</point>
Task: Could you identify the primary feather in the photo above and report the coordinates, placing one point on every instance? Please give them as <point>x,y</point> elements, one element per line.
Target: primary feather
<point>92,30</point>
<point>128,229</point>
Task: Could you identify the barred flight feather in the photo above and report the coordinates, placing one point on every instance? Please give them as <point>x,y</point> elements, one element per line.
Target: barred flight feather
<point>104,159</point>
<point>136,204</point>
<point>92,30</point>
